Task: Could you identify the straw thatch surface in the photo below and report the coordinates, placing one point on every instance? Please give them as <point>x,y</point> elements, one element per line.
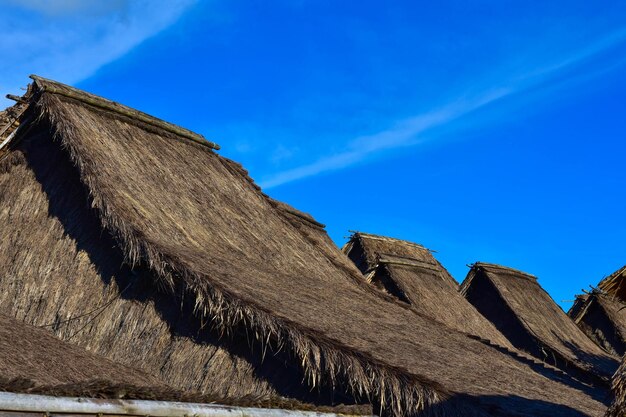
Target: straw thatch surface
<point>79,294</point>
<point>602,314</point>
<point>525,313</point>
<point>194,224</point>
<point>411,273</point>
<point>615,284</point>
<point>603,319</point>
<point>32,354</point>
<point>618,389</point>
<point>33,361</point>
<point>364,249</point>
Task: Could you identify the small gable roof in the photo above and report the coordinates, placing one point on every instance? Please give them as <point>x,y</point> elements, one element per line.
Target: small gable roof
<point>524,312</point>
<point>410,272</point>
<point>603,319</point>
<point>615,284</point>
<point>608,302</point>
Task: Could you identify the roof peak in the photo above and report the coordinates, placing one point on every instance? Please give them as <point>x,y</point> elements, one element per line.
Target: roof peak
<point>55,87</point>
<point>501,268</point>
<point>356,233</point>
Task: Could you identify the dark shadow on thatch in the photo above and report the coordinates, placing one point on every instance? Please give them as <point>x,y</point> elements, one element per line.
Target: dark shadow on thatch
<point>603,319</point>
<point>481,295</point>
<point>383,280</point>
<point>618,390</point>
<point>387,262</point>
<point>502,406</point>
<point>602,361</point>
<point>498,406</point>
<point>602,315</point>
<point>556,374</point>
<point>409,273</point>
<point>176,308</point>
<point>516,304</point>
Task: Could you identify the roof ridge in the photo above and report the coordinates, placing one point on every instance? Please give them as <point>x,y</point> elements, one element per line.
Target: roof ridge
<point>502,268</point>
<point>287,208</point>
<point>386,258</point>
<point>609,284</point>
<point>55,87</point>
<point>389,239</point>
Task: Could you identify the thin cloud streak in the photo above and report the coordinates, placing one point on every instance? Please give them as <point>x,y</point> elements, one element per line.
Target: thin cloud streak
<point>409,132</point>
<point>69,7</point>
<point>59,44</point>
<point>404,134</point>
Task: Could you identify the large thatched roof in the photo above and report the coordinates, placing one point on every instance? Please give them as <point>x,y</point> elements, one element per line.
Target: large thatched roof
<point>411,273</point>
<point>195,224</point>
<point>524,312</point>
<point>603,318</point>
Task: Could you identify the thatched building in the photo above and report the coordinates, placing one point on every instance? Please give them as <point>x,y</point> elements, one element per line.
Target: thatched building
<point>615,284</point>
<point>602,314</point>
<point>526,314</point>
<point>133,238</point>
<point>410,273</point>
<point>603,319</point>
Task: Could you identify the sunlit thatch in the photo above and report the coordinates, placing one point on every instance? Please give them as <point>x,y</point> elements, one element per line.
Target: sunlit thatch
<point>411,273</point>
<point>525,313</point>
<point>133,238</point>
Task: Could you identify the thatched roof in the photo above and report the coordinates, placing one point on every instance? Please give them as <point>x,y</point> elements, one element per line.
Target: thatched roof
<point>33,361</point>
<point>32,358</point>
<point>603,319</point>
<point>615,284</point>
<point>524,312</point>
<point>195,224</point>
<point>618,389</point>
<point>411,273</point>
<point>602,315</point>
<point>365,249</point>
<point>100,303</point>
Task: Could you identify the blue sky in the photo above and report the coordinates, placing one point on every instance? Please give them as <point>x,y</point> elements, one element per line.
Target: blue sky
<point>485,130</point>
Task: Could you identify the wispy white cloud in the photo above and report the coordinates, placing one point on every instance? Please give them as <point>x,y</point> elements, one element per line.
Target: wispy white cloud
<point>604,44</point>
<point>67,7</point>
<point>70,40</point>
<point>405,133</point>
<point>410,132</point>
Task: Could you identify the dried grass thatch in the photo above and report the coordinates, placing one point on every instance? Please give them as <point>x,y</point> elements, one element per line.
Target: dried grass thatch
<point>411,273</point>
<point>602,315</point>
<point>94,186</point>
<point>33,361</point>
<point>603,319</point>
<point>80,289</point>
<point>517,305</point>
<point>615,284</point>
<point>618,389</point>
<point>30,354</point>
